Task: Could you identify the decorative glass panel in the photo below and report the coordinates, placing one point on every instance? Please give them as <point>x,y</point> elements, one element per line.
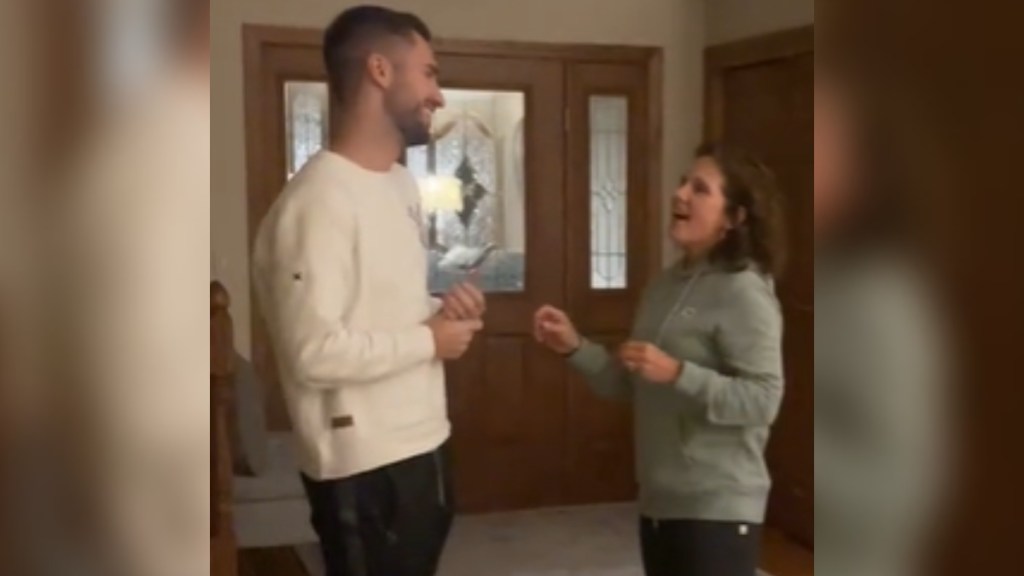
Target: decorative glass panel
<point>471,179</point>
<point>609,136</point>
<point>306,121</point>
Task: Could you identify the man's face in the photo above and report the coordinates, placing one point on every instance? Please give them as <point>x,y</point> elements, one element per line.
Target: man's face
<point>413,95</point>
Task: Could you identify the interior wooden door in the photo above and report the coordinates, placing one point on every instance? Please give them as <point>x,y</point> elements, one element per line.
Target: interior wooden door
<point>761,98</point>
<point>547,153</point>
<point>500,135</point>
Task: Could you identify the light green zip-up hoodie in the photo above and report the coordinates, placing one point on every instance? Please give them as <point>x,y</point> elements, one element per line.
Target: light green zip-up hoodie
<point>700,441</point>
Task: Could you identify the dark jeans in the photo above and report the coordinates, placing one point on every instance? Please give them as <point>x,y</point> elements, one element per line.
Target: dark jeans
<point>699,548</point>
<point>392,521</point>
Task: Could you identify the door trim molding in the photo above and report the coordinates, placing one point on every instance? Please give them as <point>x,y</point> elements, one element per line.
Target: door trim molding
<point>718,59</point>
<point>290,36</point>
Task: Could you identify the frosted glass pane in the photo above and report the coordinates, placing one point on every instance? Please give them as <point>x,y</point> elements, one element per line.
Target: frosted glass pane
<point>306,121</point>
<point>609,137</point>
<point>471,179</point>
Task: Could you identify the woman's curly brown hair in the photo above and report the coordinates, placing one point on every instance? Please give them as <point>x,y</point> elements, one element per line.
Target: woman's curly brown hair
<point>760,238</point>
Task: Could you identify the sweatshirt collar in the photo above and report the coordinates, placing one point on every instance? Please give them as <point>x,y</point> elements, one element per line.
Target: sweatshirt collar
<point>682,270</point>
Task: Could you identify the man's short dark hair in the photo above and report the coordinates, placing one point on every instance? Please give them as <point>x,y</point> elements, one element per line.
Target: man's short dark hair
<point>354,34</point>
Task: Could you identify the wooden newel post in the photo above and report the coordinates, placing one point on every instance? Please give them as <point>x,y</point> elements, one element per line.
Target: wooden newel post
<point>223,561</point>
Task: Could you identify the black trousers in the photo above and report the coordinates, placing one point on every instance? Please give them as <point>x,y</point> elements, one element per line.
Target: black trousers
<point>392,521</point>
<point>699,548</point>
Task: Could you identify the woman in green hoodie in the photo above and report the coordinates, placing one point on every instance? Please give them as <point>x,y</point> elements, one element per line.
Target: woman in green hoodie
<point>703,369</point>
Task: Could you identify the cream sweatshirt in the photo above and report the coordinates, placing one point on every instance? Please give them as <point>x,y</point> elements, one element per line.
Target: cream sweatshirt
<point>341,277</point>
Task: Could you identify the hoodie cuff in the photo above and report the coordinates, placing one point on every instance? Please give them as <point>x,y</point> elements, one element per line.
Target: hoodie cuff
<point>693,382</point>
<point>589,357</point>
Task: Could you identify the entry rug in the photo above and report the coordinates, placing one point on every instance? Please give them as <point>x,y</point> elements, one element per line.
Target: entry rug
<point>583,541</point>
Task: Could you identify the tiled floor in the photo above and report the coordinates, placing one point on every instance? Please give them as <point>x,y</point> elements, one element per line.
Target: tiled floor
<point>587,541</point>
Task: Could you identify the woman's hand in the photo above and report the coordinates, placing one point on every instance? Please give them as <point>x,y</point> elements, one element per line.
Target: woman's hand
<point>650,362</point>
<point>552,328</point>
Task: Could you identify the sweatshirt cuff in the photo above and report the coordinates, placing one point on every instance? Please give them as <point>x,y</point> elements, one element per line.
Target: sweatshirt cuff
<point>435,305</point>
<point>589,358</point>
<point>693,382</point>
<point>421,343</point>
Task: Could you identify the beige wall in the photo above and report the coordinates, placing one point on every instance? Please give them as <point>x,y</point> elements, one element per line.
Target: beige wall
<point>729,20</point>
<point>675,25</point>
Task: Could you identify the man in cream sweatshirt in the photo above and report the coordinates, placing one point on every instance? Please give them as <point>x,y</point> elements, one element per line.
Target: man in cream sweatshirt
<point>341,275</point>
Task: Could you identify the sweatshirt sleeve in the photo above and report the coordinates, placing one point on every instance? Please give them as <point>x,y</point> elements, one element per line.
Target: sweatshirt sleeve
<point>605,376</point>
<point>312,279</point>
<point>750,341</point>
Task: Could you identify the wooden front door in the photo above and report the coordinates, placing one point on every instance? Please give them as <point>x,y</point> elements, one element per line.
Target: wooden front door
<point>760,97</point>
<point>546,153</point>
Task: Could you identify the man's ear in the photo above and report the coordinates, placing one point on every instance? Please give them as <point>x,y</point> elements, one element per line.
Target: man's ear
<point>380,70</point>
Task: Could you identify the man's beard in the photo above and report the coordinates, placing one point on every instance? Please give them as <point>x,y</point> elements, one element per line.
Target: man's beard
<point>414,132</point>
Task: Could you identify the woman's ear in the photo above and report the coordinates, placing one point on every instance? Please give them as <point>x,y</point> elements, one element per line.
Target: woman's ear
<point>740,219</point>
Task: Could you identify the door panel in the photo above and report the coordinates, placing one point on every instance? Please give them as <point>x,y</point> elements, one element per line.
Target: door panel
<point>608,220</point>
<point>599,459</point>
<point>607,173</point>
<point>507,426</point>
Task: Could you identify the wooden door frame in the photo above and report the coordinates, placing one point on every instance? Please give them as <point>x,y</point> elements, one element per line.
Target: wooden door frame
<point>259,35</point>
<point>720,58</point>
<point>257,39</point>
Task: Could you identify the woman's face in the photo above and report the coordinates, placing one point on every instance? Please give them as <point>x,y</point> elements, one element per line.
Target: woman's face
<point>699,220</point>
<point>832,160</point>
